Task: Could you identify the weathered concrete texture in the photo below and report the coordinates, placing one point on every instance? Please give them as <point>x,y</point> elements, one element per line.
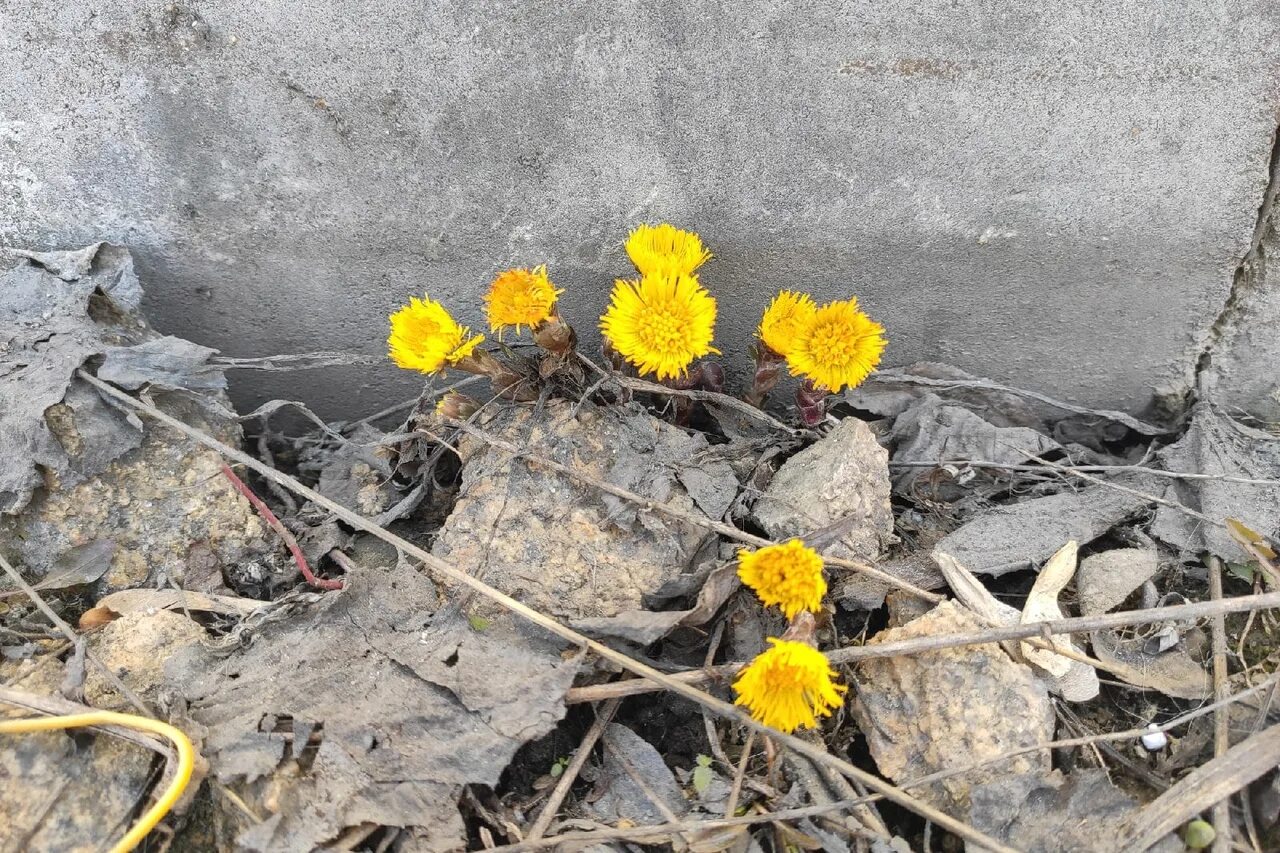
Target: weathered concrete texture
<point>1241,367</point>
<point>1051,194</point>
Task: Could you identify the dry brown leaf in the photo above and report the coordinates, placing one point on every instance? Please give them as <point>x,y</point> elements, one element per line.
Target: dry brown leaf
<point>1042,606</point>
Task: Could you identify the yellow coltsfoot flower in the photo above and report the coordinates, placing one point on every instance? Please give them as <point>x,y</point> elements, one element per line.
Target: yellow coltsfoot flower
<point>788,575</point>
<point>665,250</point>
<point>424,337</point>
<point>838,348</point>
<point>520,297</point>
<point>786,318</point>
<point>660,323</point>
<point>789,685</point>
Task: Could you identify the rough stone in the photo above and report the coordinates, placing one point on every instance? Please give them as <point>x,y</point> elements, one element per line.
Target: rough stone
<point>67,791</point>
<point>840,482</point>
<point>135,647</point>
<point>155,503</point>
<point>288,173</point>
<point>949,708</point>
<point>565,548</point>
<point>1077,813</point>
<point>1107,579</point>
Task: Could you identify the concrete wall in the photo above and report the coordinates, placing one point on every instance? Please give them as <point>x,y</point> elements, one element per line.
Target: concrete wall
<point>1055,194</point>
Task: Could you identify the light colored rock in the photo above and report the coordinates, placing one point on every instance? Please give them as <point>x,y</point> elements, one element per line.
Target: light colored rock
<point>566,548</point>
<point>1054,194</point>
<point>135,647</point>
<point>938,710</point>
<point>155,503</point>
<point>1107,579</point>
<point>844,478</point>
<point>98,782</point>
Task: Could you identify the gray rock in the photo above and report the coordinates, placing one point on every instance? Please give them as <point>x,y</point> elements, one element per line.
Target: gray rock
<point>1079,813</point>
<point>945,709</point>
<point>566,548</point>
<point>1105,580</point>
<point>621,798</point>
<point>838,486</point>
<point>1022,535</point>
<point>75,468</point>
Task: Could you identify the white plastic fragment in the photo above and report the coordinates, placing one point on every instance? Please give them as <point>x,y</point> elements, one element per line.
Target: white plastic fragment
<point>1155,740</point>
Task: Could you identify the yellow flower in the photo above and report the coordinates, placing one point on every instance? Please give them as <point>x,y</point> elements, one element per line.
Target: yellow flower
<point>660,323</point>
<point>841,346</point>
<point>520,297</point>
<point>788,575</point>
<point>424,337</point>
<point>788,686</point>
<point>785,319</point>
<point>665,250</point>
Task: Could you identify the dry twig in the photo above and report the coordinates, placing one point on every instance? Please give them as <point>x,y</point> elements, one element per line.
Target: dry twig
<point>725,400</point>
<point>1090,469</point>
<point>447,570</point>
<point>1221,717</point>
<point>1201,788</point>
<point>561,790</point>
<point>850,654</point>
<point>72,637</point>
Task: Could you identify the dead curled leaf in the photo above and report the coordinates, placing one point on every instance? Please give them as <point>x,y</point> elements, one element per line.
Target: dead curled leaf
<point>112,607</point>
<point>1042,606</point>
<point>407,705</point>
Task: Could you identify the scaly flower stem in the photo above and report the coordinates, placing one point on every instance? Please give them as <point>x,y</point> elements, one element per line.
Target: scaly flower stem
<point>768,372</point>
<point>712,377</point>
<point>555,336</point>
<point>506,382</point>
<point>812,402</point>
<point>682,407</point>
<point>618,363</point>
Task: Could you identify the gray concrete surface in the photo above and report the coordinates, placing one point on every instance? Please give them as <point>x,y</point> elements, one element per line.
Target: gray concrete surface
<point>1052,194</point>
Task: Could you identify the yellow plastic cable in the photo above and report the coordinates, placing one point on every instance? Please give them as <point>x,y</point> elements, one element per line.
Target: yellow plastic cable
<point>186,758</point>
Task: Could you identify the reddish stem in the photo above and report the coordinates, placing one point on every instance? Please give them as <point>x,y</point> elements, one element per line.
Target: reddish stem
<point>281,530</point>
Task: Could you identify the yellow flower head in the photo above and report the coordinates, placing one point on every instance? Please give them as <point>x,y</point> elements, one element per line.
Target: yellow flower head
<point>788,575</point>
<point>520,297</point>
<point>785,319</point>
<point>839,347</point>
<point>789,685</point>
<point>665,250</point>
<point>660,323</point>
<point>424,337</point>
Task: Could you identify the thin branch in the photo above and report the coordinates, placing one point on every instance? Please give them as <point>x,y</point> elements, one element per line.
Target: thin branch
<point>405,405</point>
<point>725,400</point>
<point>1146,496</point>
<point>888,378</point>
<point>445,569</point>
<point>73,637</point>
<point>718,527</point>
<point>561,790</point>
<point>849,654</point>
<point>1221,717</point>
<point>296,361</point>
<point>1093,469</point>
<point>665,830</point>
<point>269,517</point>
<point>731,805</point>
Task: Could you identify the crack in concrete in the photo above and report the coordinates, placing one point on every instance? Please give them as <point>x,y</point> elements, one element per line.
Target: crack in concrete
<point>1250,274</point>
